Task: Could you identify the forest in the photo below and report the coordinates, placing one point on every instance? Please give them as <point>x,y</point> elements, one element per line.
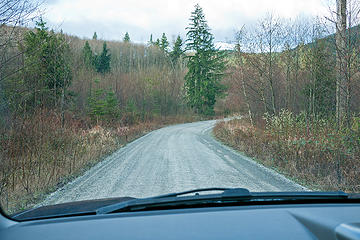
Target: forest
<point>297,84</point>
<point>66,102</point>
<point>90,97</point>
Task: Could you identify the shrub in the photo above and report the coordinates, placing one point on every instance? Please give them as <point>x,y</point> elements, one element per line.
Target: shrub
<point>312,151</point>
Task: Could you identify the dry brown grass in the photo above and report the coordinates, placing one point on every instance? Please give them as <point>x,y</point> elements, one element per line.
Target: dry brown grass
<point>38,155</point>
<point>316,157</point>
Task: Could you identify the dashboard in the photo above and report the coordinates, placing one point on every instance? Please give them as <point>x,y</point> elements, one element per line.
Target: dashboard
<point>296,221</point>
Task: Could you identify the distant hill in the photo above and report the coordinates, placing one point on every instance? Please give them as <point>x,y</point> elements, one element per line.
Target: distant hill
<point>224,46</point>
<point>330,39</point>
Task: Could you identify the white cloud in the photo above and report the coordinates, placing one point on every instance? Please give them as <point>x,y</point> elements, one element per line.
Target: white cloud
<point>112,18</point>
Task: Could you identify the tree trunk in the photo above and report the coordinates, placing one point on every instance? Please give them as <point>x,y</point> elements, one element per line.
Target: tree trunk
<point>62,108</point>
<point>246,99</point>
<point>340,63</point>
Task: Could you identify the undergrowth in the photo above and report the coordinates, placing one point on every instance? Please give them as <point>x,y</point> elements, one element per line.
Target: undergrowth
<point>38,154</point>
<point>314,152</point>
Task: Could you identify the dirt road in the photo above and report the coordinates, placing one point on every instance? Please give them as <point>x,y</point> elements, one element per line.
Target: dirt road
<point>171,159</point>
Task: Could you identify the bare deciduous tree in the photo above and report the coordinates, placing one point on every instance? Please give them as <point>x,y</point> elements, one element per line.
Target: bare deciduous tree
<point>345,18</point>
<point>13,13</point>
<point>239,61</point>
<point>340,63</point>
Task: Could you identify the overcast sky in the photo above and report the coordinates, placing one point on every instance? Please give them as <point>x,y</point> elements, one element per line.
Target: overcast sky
<point>112,18</point>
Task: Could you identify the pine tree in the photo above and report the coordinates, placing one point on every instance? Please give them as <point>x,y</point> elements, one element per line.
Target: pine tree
<point>102,61</point>
<point>177,51</point>
<point>47,72</point>
<point>157,42</point>
<point>88,55</point>
<point>206,66</point>
<point>151,40</point>
<point>126,37</point>
<point>94,36</point>
<point>97,104</point>
<point>111,105</point>
<point>164,43</point>
<point>102,104</point>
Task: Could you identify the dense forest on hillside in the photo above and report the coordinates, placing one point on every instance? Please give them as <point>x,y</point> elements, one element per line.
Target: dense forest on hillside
<point>67,102</point>
<point>144,79</point>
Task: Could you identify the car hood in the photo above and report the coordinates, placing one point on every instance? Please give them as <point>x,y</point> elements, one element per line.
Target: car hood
<point>73,208</point>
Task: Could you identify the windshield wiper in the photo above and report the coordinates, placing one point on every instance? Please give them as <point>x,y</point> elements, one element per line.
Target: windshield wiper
<point>228,196</point>
<point>226,191</point>
<point>175,199</point>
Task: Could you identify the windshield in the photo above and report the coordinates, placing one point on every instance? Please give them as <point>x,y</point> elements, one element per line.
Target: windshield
<point>108,99</point>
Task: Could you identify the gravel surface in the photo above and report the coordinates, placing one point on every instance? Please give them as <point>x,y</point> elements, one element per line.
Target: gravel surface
<point>171,159</point>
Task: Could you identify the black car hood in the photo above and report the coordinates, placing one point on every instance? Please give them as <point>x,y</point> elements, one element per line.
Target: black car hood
<point>71,208</point>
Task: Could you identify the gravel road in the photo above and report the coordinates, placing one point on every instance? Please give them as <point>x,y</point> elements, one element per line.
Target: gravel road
<point>175,158</point>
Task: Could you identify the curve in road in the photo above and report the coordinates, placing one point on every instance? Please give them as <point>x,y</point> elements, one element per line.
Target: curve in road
<point>171,159</point>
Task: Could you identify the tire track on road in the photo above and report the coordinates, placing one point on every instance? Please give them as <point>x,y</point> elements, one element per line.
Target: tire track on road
<point>171,159</point>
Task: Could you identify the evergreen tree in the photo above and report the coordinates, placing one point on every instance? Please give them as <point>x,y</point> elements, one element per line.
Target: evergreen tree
<point>47,72</point>
<point>94,36</point>
<point>102,104</point>
<point>151,40</point>
<point>206,65</point>
<point>157,42</point>
<point>126,37</point>
<point>102,61</point>
<point>177,50</point>
<point>111,105</point>
<point>88,55</point>
<point>164,43</point>
<point>96,104</point>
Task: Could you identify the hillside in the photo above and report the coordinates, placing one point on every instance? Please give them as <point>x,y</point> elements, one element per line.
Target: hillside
<point>62,131</point>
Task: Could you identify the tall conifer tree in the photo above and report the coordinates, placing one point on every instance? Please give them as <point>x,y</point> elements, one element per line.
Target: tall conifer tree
<point>88,55</point>
<point>94,36</point>
<point>126,37</point>
<point>177,50</point>
<point>164,43</point>
<point>102,61</point>
<point>206,65</point>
